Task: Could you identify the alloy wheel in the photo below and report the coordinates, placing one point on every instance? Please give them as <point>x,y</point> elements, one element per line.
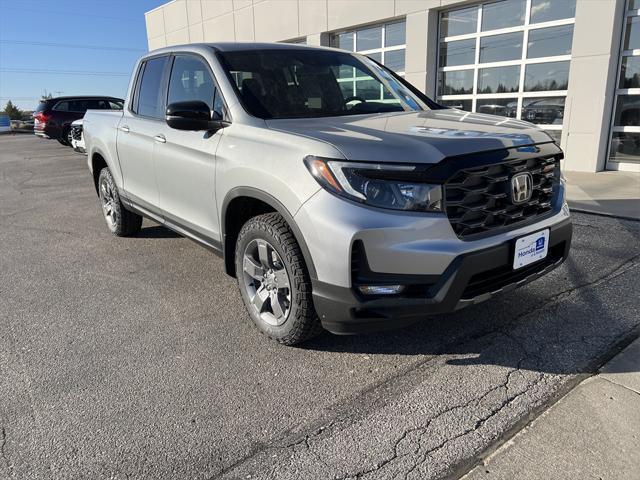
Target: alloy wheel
<point>266,282</point>
<point>108,201</point>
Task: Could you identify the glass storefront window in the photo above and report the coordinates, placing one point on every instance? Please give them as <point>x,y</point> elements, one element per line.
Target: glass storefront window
<point>625,147</point>
<point>462,52</point>
<point>369,39</point>
<point>630,72</point>
<point>504,107</point>
<point>395,34</point>
<point>499,79</point>
<point>550,42</point>
<point>456,82</point>
<point>624,143</point>
<point>459,104</point>
<point>500,48</point>
<point>394,59</point>
<point>549,10</point>
<point>344,41</point>
<point>546,76</point>
<point>383,43</point>
<point>459,22</point>
<point>543,110</point>
<point>632,34</point>
<point>504,14</point>
<point>627,111</point>
<point>497,72</point>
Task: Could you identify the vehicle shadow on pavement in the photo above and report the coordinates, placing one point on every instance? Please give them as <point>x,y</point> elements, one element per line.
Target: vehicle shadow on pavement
<point>564,323</point>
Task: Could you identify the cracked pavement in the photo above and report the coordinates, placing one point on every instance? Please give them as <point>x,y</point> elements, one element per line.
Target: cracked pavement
<point>134,358</point>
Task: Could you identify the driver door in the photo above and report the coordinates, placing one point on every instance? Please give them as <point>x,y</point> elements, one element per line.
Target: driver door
<point>185,160</point>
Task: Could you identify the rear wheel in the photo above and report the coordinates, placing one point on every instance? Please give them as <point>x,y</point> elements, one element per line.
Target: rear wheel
<point>66,138</point>
<point>274,280</point>
<point>121,222</point>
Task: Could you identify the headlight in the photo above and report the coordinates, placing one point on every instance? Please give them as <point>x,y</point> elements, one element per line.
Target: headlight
<point>375,184</point>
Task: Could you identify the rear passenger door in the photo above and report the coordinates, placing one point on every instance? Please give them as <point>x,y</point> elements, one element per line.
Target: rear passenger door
<point>185,160</point>
<point>142,120</point>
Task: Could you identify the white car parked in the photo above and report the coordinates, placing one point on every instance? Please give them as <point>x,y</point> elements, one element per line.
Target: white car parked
<point>77,137</point>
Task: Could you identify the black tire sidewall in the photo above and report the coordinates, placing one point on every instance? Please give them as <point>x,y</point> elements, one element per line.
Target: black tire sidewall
<point>274,331</point>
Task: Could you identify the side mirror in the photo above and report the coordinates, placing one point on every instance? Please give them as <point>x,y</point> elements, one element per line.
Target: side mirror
<point>190,115</point>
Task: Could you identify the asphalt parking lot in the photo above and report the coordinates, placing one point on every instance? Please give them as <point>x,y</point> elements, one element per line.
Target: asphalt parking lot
<point>134,358</point>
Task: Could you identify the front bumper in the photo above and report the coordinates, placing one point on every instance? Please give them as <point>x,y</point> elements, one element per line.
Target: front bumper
<point>471,278</point>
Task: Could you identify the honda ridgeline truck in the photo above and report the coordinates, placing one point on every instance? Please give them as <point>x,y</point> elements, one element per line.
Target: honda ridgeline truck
<point>338,195</point>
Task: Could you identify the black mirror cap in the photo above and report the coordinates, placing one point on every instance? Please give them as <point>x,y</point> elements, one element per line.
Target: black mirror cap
<point>190,115</point>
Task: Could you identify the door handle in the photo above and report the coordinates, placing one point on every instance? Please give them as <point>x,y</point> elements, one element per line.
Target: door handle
<point>124,129</point>
<point>160,139</point>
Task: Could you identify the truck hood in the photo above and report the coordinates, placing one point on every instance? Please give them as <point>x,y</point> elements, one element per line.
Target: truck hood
<point>416,137</point>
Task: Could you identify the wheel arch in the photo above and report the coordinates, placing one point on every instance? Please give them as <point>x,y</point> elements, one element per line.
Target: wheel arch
<point>230,229</point>
<point>98,162</point>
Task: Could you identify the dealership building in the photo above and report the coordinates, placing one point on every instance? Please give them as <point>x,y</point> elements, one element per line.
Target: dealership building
<point>570,66</point>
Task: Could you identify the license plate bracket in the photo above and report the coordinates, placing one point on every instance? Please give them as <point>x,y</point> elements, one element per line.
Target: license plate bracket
<point>531,248</point>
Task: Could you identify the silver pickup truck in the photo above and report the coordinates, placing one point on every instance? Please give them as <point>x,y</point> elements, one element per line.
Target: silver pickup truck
<point>338,195</point>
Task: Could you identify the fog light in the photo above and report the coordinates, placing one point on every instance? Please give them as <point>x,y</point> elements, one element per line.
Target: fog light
<point>381,289</point>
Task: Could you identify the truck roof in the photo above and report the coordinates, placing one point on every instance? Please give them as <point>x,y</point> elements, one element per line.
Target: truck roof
<point>242,46</point>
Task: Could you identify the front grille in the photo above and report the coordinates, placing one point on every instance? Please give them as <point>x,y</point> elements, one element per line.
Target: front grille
<point>478,200</point>
<point>76,132</point>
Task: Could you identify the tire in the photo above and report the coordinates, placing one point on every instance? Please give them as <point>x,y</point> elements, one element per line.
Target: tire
<point>266,244</point>
<point>121,222</point>
<point>66,137</point>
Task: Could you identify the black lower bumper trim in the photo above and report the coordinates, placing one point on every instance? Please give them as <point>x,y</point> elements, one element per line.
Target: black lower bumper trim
<point>470,278</point>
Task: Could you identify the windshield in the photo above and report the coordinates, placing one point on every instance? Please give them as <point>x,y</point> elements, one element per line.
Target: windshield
<point>315,83</point>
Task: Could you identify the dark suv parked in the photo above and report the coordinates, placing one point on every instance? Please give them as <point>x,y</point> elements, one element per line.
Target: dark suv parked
<point>54,116</point>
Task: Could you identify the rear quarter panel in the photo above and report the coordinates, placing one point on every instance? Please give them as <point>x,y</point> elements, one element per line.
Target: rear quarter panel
<point>100,128</point>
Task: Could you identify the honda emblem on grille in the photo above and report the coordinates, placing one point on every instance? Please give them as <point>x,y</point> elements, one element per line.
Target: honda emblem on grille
<point>521,187</point>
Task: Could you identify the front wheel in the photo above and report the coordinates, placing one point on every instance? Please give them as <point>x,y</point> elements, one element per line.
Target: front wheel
<point>274,280</point>
<point>121,222</point>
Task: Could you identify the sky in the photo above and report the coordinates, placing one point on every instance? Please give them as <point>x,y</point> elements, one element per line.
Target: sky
<point>65,47</point>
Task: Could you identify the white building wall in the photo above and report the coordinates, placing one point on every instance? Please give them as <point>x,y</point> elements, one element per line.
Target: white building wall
<point>596,44</point>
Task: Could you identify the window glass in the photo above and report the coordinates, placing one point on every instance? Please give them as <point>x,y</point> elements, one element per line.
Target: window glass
<point>546,76</point>
<point>369,38</point>
<point>459,22</point>
<point>499,79</point>
<point>461,52</point>
<point>549,42</point>
<point>632,35</point>
<point>298,83</point>
<point>459,104</point>
<point>634,4</point>
<point>377,56</point>
<point>394,34</point>
<point>498,48</point>
<point>343,41</point>
<point>150,97</point>
<point>548,10</point>
<point>62,107</point>
<point>116,105</point>
<point>368,89</point>
<point>191,80</point>
<point>625,147</point>
<point>457,82</point>
<point>508,13</point>
<point>504,107</point>
<point>543,110</point>
<point>627,111</point>
<point>630,73</point>
<point>394,59</point>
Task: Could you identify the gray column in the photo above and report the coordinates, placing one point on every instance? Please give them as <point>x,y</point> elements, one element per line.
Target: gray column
<point>592,78</point>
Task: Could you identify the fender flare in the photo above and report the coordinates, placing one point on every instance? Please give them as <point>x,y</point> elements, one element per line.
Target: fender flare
<point>278,207</point>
